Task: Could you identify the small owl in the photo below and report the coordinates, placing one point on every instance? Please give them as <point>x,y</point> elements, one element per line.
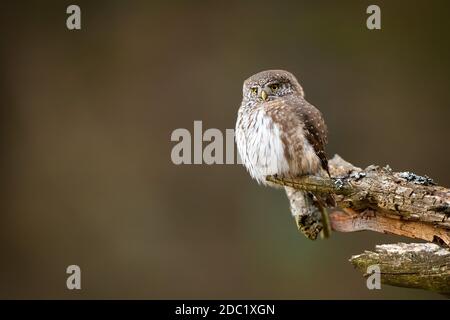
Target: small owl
<point>279,133</point>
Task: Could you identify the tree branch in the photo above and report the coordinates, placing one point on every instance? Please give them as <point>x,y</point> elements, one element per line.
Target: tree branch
<point>416,265</point>
<point>401,203</point>
<point>378,199</point>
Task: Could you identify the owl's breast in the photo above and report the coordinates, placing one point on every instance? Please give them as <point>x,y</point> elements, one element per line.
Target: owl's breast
<point>260,145</point>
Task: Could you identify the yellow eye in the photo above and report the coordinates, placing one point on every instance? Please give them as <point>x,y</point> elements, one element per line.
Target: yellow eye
<point>254,90</point>
<point>274,87</point>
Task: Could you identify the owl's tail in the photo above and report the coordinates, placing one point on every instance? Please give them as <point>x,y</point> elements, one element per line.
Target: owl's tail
<point>310,212</point>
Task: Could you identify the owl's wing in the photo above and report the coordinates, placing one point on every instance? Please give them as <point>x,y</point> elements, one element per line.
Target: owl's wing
<point>315,129</point>
<point>292,112</point>
<point>316,133</point>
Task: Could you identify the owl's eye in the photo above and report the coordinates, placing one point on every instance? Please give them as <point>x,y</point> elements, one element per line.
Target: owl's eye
<point>274,87</point>
<point>254,90</point>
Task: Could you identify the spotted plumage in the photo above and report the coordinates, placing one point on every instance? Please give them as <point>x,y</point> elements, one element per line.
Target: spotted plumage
<point>279,133</point>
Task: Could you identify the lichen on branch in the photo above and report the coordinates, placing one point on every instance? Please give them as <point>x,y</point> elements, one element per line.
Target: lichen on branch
<point>379,199</point>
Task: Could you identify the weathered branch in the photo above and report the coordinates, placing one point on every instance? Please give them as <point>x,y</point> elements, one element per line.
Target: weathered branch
<point>416,265</point>
<point>400,203</point>
<point>381,200</point>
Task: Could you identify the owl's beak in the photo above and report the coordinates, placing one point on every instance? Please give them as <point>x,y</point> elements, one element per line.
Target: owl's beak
<point>264,95</point>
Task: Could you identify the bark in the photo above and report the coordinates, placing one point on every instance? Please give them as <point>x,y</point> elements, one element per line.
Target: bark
<point>378,199</point>
<point>402,203</point>
<point>416,265</point>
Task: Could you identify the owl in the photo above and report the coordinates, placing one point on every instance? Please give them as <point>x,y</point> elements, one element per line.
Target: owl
<point>279,133</point>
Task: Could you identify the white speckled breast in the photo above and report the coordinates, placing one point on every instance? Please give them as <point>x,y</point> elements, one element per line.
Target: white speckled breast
<point>259,144</point>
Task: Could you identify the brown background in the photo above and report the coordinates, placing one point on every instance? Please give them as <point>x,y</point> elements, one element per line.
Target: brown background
<point>87,115</point>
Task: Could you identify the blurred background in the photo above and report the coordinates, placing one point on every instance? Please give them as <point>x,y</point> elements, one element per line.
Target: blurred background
<point>86,120</point>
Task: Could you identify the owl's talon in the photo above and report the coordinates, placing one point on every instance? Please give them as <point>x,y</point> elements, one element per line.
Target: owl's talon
<point>310,227</point>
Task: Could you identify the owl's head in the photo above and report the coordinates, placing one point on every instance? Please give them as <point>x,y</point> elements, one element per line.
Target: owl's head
<point>271,84</point>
